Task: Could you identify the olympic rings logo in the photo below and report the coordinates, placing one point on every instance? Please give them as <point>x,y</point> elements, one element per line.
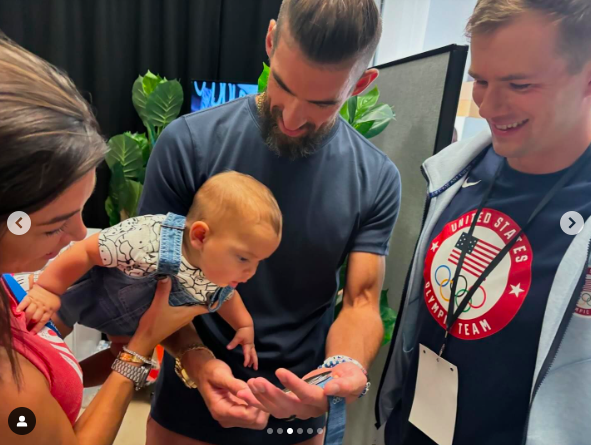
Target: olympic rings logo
<point>460,293</point>
<point>586,298</point>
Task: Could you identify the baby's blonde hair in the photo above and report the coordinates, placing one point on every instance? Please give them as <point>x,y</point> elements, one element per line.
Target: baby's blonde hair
<point>232,196</point>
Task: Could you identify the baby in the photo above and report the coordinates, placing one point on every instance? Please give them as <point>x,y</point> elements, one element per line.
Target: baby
<point>108,281</point>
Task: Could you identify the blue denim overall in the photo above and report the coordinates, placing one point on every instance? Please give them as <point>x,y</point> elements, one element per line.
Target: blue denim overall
<point>112,302</point>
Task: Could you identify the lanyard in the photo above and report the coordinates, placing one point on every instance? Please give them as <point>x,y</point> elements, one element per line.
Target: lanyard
<point>452,316</point>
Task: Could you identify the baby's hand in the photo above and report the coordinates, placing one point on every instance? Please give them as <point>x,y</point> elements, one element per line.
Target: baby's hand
<point>39,305</point>
<point>245,337</point>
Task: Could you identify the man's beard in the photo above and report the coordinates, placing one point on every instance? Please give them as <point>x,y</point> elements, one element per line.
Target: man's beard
<point>283,145</point>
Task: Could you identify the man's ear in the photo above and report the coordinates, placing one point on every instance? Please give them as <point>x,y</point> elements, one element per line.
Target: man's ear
<point>198,233</point>
<point>366,80</point>
<point>269,40</point>
<point>588,80</point>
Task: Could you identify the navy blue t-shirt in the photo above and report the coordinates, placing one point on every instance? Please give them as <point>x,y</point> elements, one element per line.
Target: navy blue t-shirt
<point>494,343</point>
<point>343,198</point>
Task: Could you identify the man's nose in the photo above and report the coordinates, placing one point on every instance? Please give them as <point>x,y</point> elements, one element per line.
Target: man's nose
<point>491,103</point>
<point>293,114</point>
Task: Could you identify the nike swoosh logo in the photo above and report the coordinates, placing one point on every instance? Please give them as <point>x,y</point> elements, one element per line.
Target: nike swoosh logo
<point>469,184</point>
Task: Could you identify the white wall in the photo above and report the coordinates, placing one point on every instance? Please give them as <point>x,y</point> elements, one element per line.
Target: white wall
<point>404,28</point>
<point>415,26</point>
<point>446,22</point>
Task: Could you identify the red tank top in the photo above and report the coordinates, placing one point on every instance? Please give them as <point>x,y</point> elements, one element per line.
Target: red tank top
<point>48,353</point>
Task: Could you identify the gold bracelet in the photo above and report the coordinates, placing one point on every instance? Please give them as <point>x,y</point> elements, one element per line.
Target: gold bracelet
<point>194,347</point>
<point>127,357</point>
<point>178,367</point>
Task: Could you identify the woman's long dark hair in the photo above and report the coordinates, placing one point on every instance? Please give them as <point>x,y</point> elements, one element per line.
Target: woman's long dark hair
<point>49,139</point>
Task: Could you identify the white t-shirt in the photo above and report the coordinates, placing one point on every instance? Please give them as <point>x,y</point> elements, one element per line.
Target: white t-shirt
<point>133,245</point>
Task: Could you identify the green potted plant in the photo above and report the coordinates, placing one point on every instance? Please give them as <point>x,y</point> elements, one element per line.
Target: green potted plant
<point>369,118</point>
<point>158,102</point>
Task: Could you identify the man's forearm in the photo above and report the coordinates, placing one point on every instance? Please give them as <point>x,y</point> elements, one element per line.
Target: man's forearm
<point>357,332</point>
<point>192,361</point>
<point>181,339</point>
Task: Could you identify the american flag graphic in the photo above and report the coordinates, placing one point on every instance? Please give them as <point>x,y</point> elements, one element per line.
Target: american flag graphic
<point>479,254</point>
<point>587,286</point>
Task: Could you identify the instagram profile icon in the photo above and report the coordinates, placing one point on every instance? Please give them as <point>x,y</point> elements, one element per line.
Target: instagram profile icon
<point>22,421</point>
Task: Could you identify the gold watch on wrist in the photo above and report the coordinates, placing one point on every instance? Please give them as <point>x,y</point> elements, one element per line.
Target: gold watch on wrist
<point>178,367</point>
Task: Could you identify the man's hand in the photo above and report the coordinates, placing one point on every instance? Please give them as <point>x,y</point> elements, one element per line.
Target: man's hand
<point>219,387</point>
<point>245,337</point>
<point>305,400</point>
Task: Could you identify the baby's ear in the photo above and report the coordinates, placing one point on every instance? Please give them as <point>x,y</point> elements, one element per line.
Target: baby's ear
<point>199,232</point>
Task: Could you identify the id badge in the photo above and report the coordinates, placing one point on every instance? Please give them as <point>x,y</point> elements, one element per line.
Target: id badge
<point>435,403</point>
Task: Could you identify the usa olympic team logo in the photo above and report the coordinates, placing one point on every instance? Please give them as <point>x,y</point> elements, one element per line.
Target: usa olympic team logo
<point>584,304</point>
<point>498,299</point>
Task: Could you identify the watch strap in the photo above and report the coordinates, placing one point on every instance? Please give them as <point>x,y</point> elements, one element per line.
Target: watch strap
<point>137,374</point>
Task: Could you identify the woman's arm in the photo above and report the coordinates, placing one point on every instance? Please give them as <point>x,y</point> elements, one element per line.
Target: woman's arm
<point>97,367</point>
<point>101,421</point>
<point>97,426</point>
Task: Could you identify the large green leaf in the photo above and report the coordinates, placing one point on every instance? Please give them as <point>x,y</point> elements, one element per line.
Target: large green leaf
<point>139,98</point>
<point>131,196</point>
<point>150,81</point>
<point>363,127</point>
<point>124,193</point>
<point>380,116</point>
<point>264,78</point>
<point>344,111</point>
<point>352,108</point>
<point>112,212</point>
<point>367,102</point>
<point>117,185</point>
<point>376,128</point>
<point>124,150</point>
<point>164,104</point>
<point>376,113</point>
<point>143,143</point>
<point>388,317</point>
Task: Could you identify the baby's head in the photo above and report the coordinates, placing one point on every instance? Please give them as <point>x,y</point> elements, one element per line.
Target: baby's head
<point>233,224</point>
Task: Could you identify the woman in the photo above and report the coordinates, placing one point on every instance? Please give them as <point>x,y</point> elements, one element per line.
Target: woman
<point>49,149</point>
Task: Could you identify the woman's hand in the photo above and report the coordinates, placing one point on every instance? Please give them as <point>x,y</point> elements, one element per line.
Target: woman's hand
<point>161,320</point>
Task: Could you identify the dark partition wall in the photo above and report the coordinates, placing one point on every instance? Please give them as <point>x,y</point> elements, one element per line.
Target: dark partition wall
<point>424,91</point>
